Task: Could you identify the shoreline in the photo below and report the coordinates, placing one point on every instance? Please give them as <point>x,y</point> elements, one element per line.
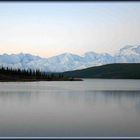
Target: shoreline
<point>38,80</point>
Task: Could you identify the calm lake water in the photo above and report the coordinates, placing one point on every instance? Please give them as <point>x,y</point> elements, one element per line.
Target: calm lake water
<point>89,108</point>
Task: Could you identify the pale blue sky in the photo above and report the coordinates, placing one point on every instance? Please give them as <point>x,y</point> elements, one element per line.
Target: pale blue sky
<point>48,29</point>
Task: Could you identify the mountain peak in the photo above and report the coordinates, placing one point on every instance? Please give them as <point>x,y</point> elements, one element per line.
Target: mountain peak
<point>90,53</point>
<point>67,54</point>
<point>126,47</point>
<point>129,50</point>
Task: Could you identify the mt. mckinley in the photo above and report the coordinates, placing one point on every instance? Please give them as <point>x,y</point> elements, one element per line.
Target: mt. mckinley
<point>68,61</point>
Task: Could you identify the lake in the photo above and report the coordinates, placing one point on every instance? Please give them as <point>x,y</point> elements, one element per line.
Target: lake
<point>89,108</point>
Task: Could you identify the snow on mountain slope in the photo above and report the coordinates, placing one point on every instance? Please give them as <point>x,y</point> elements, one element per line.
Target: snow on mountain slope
<point>17,60</point>
<point>128,54</point>
<point>69,61</point>
<point>64,62</point>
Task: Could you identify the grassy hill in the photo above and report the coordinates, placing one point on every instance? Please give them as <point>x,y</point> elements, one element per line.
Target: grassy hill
<point>109,71</point>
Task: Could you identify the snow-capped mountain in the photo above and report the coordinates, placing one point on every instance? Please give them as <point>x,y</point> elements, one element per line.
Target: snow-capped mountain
<point>17,60</point>
<point>128,54</point>
<point>68,61</point>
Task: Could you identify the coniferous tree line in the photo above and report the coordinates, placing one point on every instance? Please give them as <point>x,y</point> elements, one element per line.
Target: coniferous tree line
<point>29,73</point>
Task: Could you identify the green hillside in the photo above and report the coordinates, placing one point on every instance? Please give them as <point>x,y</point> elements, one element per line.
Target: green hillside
<point>109,71</point>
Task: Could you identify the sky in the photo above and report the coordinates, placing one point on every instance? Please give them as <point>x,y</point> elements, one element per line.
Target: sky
<point>51,28</point>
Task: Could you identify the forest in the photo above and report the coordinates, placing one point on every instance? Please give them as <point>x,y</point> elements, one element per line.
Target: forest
<point>9,74</point>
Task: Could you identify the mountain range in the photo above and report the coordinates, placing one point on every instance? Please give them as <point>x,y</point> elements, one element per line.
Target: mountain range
<point>69,61</point>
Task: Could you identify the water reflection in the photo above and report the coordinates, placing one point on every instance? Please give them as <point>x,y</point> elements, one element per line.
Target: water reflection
<point>20,96</point>
<point>87,96</point>
<point>93,96</point>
